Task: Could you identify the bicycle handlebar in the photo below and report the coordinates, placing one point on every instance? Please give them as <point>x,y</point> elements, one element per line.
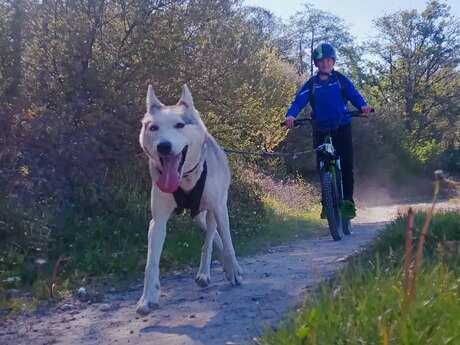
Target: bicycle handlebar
<point>355,113</point>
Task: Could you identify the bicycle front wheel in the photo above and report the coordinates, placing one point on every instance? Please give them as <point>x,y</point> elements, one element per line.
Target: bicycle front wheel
<point>330,196</point>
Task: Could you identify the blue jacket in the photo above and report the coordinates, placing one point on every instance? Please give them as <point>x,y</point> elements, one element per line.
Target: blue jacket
<point>330,107</point>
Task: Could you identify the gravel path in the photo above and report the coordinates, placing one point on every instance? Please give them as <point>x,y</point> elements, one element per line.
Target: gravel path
<point>274,282</point>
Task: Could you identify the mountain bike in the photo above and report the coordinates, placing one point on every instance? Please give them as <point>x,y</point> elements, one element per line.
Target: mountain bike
<point>331,180</point>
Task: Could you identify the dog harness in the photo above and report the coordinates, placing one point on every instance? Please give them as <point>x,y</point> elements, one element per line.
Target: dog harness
<point>191,200</point>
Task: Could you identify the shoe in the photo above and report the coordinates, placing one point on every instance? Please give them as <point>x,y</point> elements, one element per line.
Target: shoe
<point>348,209</point>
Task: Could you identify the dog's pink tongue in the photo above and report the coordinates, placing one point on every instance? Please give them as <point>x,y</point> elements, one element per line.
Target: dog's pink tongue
<point>169,178</point>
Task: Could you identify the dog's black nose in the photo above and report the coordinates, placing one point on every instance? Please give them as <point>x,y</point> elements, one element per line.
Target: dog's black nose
<point>164,148</point>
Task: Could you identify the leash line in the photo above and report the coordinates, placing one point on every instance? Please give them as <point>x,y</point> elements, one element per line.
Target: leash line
<point>266,154</point>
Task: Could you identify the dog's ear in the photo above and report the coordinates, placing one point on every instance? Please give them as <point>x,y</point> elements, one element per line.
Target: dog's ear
<point>152,100</point>
<point>186,98</point>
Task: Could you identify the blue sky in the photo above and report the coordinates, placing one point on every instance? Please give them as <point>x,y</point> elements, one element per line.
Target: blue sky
<point>358,14</point>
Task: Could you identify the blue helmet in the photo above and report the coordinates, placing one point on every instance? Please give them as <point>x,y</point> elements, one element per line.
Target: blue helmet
<point>324,50</point>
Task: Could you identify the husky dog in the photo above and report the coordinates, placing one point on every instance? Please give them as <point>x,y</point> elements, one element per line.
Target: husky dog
<point>188,170</point>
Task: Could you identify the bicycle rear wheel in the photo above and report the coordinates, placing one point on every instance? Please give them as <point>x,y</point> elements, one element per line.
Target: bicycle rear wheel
<point>330,196</point>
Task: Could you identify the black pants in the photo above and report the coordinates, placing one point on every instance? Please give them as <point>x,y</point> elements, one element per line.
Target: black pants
<point>342,141</point>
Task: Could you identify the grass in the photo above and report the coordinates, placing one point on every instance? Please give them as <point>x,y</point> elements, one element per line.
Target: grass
<point>278,224</point>
<point>282,224</point>
<point>105,235</point>
<point>364,304</point>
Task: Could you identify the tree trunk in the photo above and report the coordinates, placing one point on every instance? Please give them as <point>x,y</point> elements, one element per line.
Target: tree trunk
<point>13,91</point>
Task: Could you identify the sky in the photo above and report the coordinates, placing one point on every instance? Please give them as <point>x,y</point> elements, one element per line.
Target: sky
<point>358,14</point>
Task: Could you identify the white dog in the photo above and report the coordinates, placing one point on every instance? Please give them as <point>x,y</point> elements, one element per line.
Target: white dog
<point>188,170</point>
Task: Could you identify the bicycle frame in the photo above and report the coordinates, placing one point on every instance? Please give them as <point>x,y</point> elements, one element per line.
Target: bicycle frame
<point>326,151</point>
<point>329,161</point>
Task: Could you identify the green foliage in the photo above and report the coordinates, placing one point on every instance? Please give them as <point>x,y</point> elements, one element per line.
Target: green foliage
<point>451,159</point>
<point>364,304</point>
<point>428,150</point>
<point>413,84</point>
<point>417,73</point>
<point>73,178</point>
<point>104,232</point>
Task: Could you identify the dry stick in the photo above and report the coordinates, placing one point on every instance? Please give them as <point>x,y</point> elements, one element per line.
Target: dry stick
<point>52,285</point>
<point>408,256</point>
<point>313,337</point>
<point>421,240</point>
<point>385,335</point>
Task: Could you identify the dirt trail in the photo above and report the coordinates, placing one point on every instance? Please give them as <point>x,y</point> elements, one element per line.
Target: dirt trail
<point>274,282</point>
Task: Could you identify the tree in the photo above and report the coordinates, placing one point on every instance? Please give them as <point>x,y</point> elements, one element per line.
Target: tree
<point>418,58</point>
<point>309,27</point>
<point>85,66</point>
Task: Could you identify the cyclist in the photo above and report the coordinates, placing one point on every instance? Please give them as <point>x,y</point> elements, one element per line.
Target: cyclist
<point>328,93</point>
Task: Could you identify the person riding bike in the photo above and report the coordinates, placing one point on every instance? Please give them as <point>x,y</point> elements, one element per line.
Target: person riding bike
<point>328,93</point>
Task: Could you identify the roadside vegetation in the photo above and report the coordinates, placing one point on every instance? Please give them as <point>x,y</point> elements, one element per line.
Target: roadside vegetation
<point>367,302</point>
<point>107,248</point>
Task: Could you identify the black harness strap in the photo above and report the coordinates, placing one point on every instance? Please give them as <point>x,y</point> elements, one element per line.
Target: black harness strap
<point>191,200</point>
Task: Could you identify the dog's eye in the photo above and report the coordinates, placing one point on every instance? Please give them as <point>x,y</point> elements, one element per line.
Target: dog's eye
<point>180,125</point>
<point>153,128</point>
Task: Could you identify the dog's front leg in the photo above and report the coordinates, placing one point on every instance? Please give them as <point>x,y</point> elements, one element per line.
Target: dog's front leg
<point>151,293</point>
<point>232,269</point>
<point>203,277</point>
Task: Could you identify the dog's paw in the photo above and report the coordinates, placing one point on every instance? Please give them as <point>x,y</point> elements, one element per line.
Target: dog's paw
<point>203,280</point>
<point>234,278</point>
<point>144,307</point>
<point>234,273</point>
<point>239,269</point>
